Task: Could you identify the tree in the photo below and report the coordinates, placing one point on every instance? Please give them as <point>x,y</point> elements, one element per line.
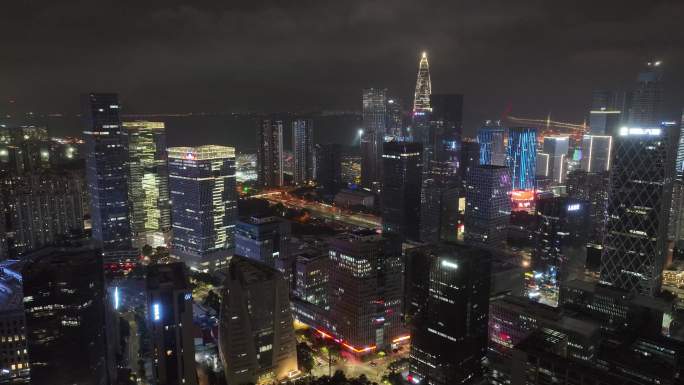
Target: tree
<point>305,357</point>
<point>147,250</point>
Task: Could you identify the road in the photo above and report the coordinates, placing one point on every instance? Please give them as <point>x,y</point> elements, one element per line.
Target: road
<point>322,210</point>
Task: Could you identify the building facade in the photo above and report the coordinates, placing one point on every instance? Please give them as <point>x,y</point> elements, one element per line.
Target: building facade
<point>491,138</point>
<point>488,206</point>
<point>262,238</point>
<point>148,183</point>
<point>204,204</point>
<point>374,112</point>
<point>596,153</point>
<point>401,189</point>
<point>106,146</point>
<point>303,150</point>
<point>522,157</point>
<point>270,153</point>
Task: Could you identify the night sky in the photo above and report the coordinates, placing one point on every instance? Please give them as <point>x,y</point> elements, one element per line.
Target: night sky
<point>297,55</point>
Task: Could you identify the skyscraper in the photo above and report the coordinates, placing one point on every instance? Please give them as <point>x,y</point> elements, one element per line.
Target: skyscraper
<point>522,157</point>
<point>444,137</point>
<point>107,171</point>
<point>593,188</point>
<point>40,208</point>
<point>169,303</point>
<point>488,205</point>
<point>262,238</point>
<point>303,150</point>
<point>560,247</point>
<point>67,317</point>
<point>647,98</point>
<point>394,127</point>
<point>638,209</point>
<point>365,286</point>
<point>148,183</point>
<point>557,149</point>
<point>492,144</point>
<point>608,112</point>
<point>401,188</point>
<point>374,111</point>
<point>421,99</point>
<point>596,153</point>
<point>449,334</point>
<point>270,153</point>
<point>328,168</point>
<point>256,338</point>
<point>204,204</point>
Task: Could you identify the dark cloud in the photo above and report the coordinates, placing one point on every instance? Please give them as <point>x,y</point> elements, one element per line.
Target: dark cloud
<point>539,56</point>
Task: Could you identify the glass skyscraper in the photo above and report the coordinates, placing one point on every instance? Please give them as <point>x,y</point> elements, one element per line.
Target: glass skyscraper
<point>639,202</point>
<point>596,153</point>
<point>148,183</point>
<point>522,157</point>
<point>106,171</point>
<point>303,150</point>
<point>374,120</point>
<point>401,188</point>
<point>204,204</point>
<point>488,205</point>
<point>270,153</point>
<point>646,106</point>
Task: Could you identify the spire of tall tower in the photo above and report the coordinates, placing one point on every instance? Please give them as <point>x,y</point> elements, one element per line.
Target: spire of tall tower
<point>421,101</point>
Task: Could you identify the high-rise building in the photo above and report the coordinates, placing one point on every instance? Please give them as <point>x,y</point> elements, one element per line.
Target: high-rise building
<point>560,247</point>
<point>303,150</point>
<point>596,153</point>
<point>638,209</point>
<point>522,157</point>
<point>40,208</point>
<point>401,187</point>
<point>329,168</point>
<point>270,153</point>
<point>592,188</point>
<point>421,99</point>
<point>256,338</point>
<point>262,238</point>
<point>204,204</point>
<point>608,112</point>
<point>438,211</point>
<point>680,150</point>
<point>106,147</point>
<point>646,109</point>
<point>449,333</point>
<point>394,127</point>
<point>469,159</point>
<point>68,317</point>
<point>148,183</point>
<point>491,138</point>
<point>24,148</point>
<point>444,137</point>
<point>14,360</point>
<point>557,149</point>
<point>366,290</point>
<point>169,304</point>
<point>374,112</point>
<point>488,205</point>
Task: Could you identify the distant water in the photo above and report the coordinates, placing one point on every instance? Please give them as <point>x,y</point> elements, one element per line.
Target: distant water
<point>238,131</point>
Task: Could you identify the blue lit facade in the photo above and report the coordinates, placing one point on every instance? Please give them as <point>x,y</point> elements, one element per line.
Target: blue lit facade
<point>492,148</point>
<point>522,157</point>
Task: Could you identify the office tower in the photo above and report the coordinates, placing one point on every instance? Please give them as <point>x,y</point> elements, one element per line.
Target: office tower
<point>680,149</point>
<point>557,149</point>
<point>24,148</point>
<point>560,247</point>
<point>608,112</point>
<point>366,290</point>
<point>677,212</point>
<point>596,153</point>
<point>329,168</point>
<point>422,131</point>
<point>14,360</point>
<point>470,158</point>
<point>444,141</point>
<point>169,307</point>
<point>592,188</point>
<point>68,324</point>
<point>646,108</point>
<point>522,157</point>
<point>311,278</point>
<point>270,153</point>
<point>492,144</point>
<point>638,209</point>
<point>148,183</point>
<point>488,206</point>
<point>374,104</point>
<point>350,168</point>
<point>256,338</point>
<point>449,334</point>
<point>106,146</point>
<point>394,127</point>
<point>400,197</point>
<point>438,211</point>
<point>303,150</point>
<point>41,208</point>
<point>262,238</point>
<point>204,204</point>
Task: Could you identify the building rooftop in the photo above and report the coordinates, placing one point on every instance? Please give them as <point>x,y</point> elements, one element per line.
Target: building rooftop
<point>202,152</point>
<point>167,276</point>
